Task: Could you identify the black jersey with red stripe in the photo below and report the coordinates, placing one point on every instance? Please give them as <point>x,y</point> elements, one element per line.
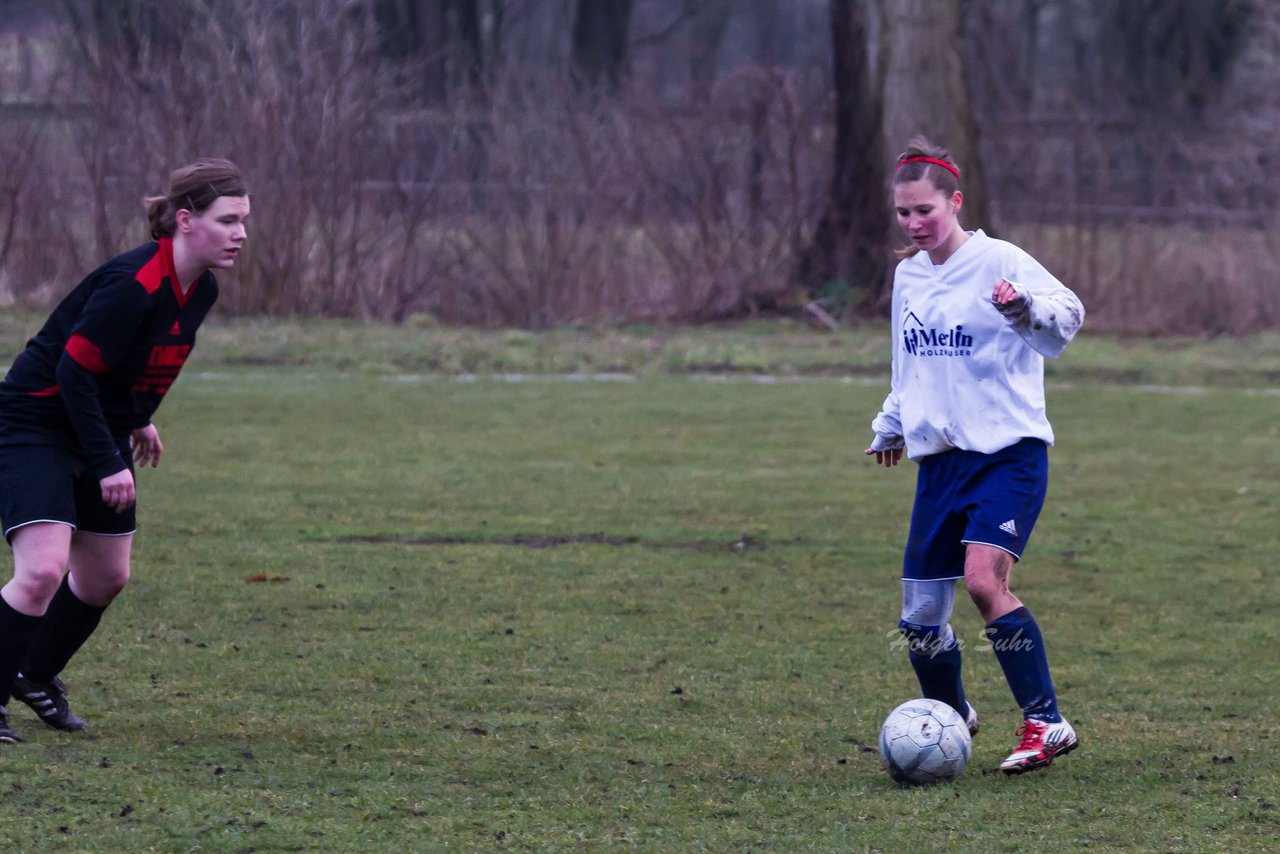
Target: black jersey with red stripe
<point>106,357</point>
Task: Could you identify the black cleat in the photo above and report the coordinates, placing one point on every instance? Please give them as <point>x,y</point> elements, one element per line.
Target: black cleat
<point>8,735</point>
<point>49,701</point>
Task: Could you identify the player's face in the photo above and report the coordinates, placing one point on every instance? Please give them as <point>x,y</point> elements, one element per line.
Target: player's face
<point>216,234</point>
<point>927,214</point>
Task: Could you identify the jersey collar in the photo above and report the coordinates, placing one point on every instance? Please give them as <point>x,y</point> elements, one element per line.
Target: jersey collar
<point>166,256</point>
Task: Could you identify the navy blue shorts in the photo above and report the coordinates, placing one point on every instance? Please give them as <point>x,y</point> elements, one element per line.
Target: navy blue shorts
<point>966,497</point>
<point>48,483</point>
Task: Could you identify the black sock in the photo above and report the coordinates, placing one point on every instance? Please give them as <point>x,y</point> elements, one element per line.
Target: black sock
<point>67,625</point>
<point>17,630</point>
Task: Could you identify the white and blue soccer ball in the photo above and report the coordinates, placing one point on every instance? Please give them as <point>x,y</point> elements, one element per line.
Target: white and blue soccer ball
<point>924,741</point>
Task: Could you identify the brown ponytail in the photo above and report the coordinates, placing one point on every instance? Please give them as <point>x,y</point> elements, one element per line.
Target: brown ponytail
<point>193,187</point>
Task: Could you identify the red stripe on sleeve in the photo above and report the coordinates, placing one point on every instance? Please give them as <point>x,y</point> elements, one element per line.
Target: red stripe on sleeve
<point>152,274</point>
<point>86,354</point>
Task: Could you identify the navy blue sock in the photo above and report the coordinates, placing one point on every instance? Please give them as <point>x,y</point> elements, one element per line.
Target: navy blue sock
<point>939,676</point>
<point>1019,647</point>
<point>16,633</point>
<point>67,625</point>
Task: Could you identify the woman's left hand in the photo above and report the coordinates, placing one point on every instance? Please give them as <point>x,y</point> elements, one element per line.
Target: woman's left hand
<point>1010,300</point>
<point>145,442</point>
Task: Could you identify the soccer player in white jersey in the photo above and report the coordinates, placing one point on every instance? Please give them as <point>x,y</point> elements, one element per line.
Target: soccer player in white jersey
<point>972,319</point>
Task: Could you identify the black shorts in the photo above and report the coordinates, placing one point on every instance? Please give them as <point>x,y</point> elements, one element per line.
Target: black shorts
<point>48,483</point>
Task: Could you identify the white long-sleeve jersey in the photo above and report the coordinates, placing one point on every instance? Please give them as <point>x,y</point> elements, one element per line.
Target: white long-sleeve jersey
<point>964,375</point>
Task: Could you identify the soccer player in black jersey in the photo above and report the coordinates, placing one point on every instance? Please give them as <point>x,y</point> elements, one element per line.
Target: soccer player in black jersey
<point>75,417</point>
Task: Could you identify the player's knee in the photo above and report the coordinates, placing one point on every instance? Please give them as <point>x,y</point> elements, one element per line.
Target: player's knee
<point>102,585</point>
<point>114,581</point>
<point>35,582</point>
<point>986,591</point>
<point>983,596</point>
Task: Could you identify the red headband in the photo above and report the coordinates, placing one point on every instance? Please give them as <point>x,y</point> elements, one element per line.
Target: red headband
<point>935,161</point>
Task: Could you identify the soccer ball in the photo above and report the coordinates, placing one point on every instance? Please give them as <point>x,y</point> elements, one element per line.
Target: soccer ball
<point>924,741</point>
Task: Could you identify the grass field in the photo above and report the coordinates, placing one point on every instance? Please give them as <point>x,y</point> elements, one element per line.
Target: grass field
<point>380,606</point>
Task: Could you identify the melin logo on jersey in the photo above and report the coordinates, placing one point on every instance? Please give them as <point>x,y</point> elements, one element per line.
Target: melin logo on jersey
<point>919,341</point>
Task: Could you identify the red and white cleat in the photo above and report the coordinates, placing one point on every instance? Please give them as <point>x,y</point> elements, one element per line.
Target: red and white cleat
<point>1041,742</point>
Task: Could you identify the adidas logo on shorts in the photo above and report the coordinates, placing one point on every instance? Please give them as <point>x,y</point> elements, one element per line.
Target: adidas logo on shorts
<point>1010,528</point>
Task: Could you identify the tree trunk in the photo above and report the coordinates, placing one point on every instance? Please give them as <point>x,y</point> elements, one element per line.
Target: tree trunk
<point>936,101</point>
<point>600,42</point>
<point>850,243</point>
<point>470,42</point>
<point>767,50</point>
<point>416,31</point>
<point>433,41</point>
<point>707,29</point>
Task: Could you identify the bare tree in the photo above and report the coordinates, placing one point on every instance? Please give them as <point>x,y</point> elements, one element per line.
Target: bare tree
<point>927,90</point>
<point>470,41</point>
<point>706,31</point>
<point>441,42</point>
<point>600,42</point>
<point>850,243</point>
<point>19,147</point>
<point>1172,54</point>
<point>526,200</point>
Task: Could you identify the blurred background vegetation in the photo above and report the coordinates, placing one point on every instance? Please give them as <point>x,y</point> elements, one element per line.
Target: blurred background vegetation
<point>543,163</point>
